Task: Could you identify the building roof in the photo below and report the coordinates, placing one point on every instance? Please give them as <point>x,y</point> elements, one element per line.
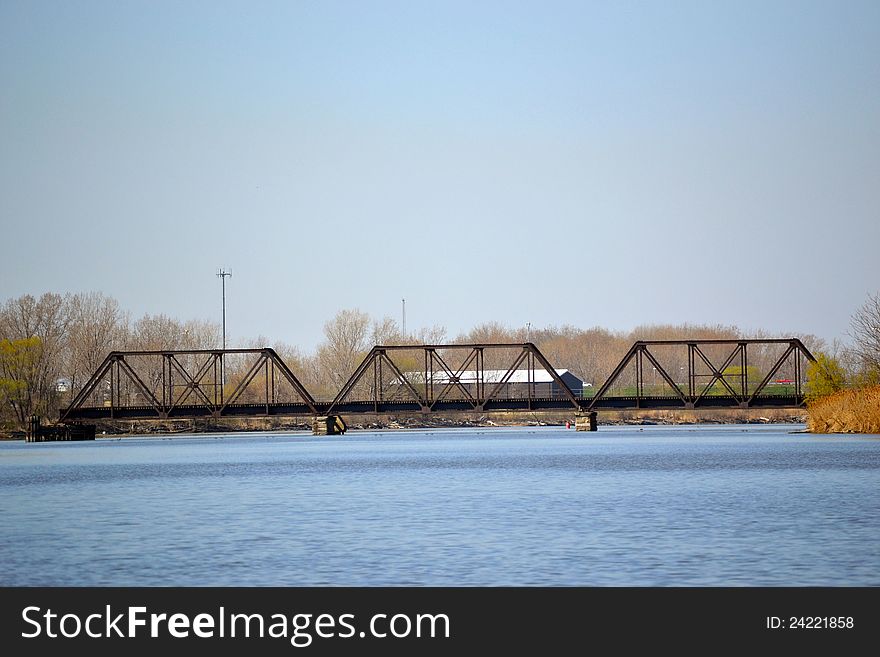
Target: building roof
<point>494,376</point>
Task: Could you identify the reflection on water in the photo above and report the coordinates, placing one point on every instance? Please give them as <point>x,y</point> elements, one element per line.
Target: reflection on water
<point>730,505</point>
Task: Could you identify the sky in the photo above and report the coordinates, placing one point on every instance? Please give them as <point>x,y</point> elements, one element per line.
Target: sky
<point>548,163</point>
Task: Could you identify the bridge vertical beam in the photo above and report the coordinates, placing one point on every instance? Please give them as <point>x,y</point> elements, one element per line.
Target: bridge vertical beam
<point>163,362</point>
<point>118,391</point>
<point>426,357</point>
<point>266,387</point>
<point>480,368</point>
<point>380,391</point>
<point>167,406</point>
<point>111,388</point>
<point>692,374</point>
<point>640,378</point>
<point>530,377</point>
<point>221,381</point>
<point>273,381</point>
<point>376,383</point>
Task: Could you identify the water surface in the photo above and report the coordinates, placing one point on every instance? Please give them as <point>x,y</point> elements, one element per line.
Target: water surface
<point>654,506</point>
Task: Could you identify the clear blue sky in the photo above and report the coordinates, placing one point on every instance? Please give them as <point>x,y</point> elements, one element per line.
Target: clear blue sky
<point>583,163</point>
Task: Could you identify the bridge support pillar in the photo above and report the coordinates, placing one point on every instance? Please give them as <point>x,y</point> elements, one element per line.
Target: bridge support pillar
<point>586,422</point>
<point>328,425</point>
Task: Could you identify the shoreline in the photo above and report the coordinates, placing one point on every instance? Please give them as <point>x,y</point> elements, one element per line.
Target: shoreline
<point>398,423</point>
<point>853,411</point>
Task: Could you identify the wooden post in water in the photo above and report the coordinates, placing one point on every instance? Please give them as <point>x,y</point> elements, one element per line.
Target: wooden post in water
<point>37,433</point>
<point>33,432</point>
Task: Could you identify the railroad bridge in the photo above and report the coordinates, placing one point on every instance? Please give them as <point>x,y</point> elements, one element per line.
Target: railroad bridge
<point>433,379</point>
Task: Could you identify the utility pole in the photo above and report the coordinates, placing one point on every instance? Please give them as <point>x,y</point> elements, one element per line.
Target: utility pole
<point>403,305</point>
<point>222,274</point>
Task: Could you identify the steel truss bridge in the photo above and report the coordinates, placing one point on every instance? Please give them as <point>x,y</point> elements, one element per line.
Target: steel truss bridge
<point>428,379</point>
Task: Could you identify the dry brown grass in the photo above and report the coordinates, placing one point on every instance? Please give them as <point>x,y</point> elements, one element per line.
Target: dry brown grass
<point>848,411</point>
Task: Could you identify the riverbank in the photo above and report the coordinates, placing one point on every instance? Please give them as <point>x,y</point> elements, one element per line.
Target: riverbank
<point>848,411</point>
<point>457,420</point>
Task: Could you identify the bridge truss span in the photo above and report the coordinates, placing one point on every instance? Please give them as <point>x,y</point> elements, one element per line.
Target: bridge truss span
<point>692,374</point>
<point>455,377</point>
<point>427,379</point>
<point>167,384</point>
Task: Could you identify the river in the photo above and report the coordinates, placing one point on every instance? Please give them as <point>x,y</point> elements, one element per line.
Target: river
<point>730,505</point>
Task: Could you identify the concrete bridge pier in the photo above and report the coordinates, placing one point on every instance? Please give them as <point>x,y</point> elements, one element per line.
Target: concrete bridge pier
<point>586,422</point>
<point>328,425</point>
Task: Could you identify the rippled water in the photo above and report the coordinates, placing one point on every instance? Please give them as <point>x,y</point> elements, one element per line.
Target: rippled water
<point>704,505</point>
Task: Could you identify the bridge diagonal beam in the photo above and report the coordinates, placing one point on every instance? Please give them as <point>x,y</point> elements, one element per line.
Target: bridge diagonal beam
<point>400,375</point>
<point>90,385</point>
<point>716,374</point>
<point>665,375</point>
<point>245,382</point>
<point>506,377</point>
<point>384,390</point>
<point>193,383</point>
<point>455,380</point>
<point>292,380</point>
<point>621,366</point>
<point>368,361</point>
<point>772,372</point>
<point>536,353</point>
<point>148,394</point>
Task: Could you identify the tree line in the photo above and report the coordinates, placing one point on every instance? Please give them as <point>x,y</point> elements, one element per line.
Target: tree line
<point>50,345</point>
<point>854,366</point>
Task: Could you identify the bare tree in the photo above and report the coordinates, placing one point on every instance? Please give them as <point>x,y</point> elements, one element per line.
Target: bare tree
<point>200,334</point>
<point>347,342</point>
<point>155,333</point>
<point>582,352</point>
<point>431,335</point>
<point>865,332</point>
<point>488,333</point>
<point>97,326</point>
<point>386,331</point>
